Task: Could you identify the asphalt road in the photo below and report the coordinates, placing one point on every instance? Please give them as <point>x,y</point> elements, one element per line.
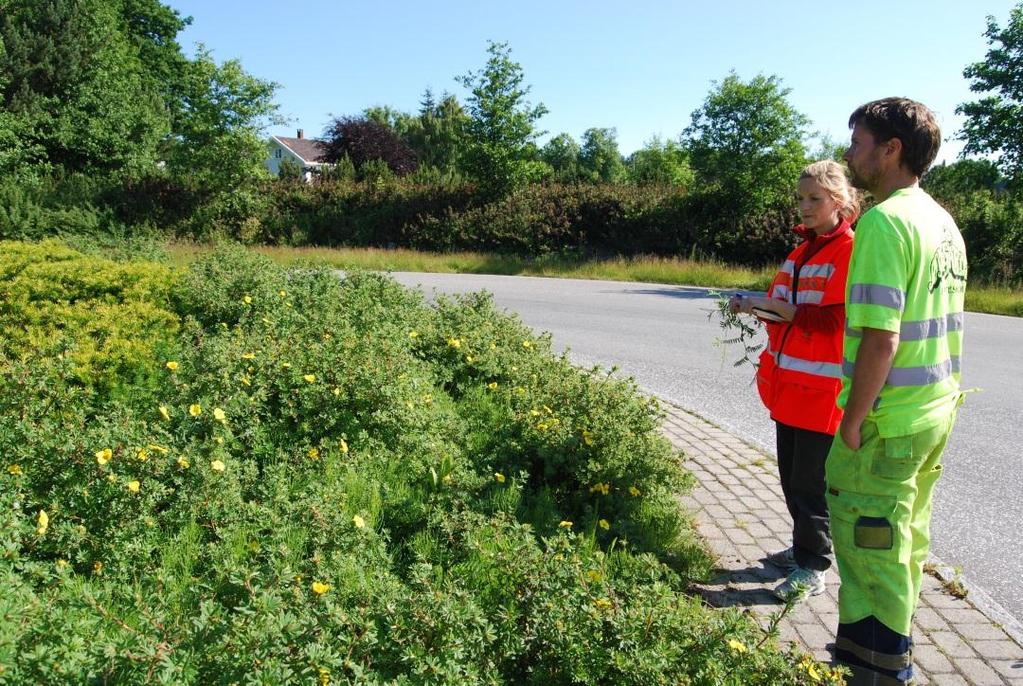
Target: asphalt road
<point>661,335</point>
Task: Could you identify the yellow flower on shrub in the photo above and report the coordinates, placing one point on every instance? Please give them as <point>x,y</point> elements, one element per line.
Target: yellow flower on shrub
<point>134,486</point>
<point>602,604</point>
<point>565,524</point>
<point>499,477</point>
<point>737,646</point>
<point>633,491</point>
<point>604,524</point>
<point>324,676</point>
<point>217,466</point>
<point>245,381</point>
<point>314,453</point>
<point>602,488</point>
<point>183,463</point>
<point>112,478</point>
<point>172,365</point>
<point>587,437</point>
<point>247,299</point>
<point>468,359</point>
<point>219,415</point>
<point>594,576</point>
<point>283,294</point>
<point>195,409</point>
<point>343,446</point>
<point>320,588</point>
<point>359,522</point>
<point>164,413</point>
<point>527,344</point>
<point>103,456</point>
<point>248,356</point>
<point>413,334</point>
<point>492,385</point>
<point>142,455</point>
<point>14,469</point>
<point>455,342</point>
<point>42,522</point>
<point>157,448</point>
<point>97,567</point>
<point>309,378</point>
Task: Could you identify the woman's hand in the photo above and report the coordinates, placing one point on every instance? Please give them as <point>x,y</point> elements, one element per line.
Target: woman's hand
<point>738,304</point>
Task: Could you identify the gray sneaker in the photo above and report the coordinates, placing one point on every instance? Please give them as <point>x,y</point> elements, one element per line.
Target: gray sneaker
<point>801,582</point>
<point>783,559</point>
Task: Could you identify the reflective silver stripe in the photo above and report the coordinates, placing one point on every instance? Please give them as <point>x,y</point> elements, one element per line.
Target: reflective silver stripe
<point>955,321</point>
<point>919,376</point>
<point>922,330</point>
<point>811,297</point>
<point>789,267</point>
<point>812,270</point>
<point>780,293</point>
<point>873,294</point>
<point>931,328</point>
<point>830,370</point>
<point>913,376</point>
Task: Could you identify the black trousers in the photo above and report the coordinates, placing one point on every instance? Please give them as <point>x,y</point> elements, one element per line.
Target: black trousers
<point>801,458</point>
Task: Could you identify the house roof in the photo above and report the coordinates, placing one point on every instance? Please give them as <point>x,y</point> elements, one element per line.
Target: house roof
<point>309,149</point>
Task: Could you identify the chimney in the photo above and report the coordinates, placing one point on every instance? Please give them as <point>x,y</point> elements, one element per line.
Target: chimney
<point>301,133</point>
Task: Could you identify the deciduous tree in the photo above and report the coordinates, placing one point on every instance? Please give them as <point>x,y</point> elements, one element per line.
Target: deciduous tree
<point>994,124</point>
<point>365,140</point>
<point>746,142</point>
<point>599,158</point>
<point>501,154</point>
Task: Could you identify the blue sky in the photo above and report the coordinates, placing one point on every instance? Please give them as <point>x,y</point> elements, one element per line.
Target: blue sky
<point>641,67</point>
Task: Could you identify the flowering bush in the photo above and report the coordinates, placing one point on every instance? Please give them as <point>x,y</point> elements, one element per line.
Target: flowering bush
<point>332,481</point>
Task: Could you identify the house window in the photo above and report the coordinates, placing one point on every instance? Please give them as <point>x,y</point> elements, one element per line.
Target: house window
<point>278,153</point>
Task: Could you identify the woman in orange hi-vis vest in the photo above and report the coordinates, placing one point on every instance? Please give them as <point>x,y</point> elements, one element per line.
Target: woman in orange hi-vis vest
<point>800,371</point>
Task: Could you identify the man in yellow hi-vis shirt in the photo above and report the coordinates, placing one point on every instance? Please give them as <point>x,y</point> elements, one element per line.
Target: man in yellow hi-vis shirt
<point>900,387</point>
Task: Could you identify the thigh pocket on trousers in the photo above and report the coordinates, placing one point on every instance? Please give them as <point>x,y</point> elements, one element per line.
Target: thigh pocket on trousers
<point>866,522</point>
<point>897,460</point>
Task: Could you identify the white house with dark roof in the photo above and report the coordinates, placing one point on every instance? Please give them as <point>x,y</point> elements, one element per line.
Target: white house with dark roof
<point>305,152</point>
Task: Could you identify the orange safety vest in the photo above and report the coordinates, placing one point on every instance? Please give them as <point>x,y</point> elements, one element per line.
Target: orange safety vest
<point>800,371</point>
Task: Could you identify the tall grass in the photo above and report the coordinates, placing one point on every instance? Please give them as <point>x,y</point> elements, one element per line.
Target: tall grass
<point>646,269</point>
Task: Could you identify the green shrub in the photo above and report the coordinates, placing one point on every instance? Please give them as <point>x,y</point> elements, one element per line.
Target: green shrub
<point>338,482</point>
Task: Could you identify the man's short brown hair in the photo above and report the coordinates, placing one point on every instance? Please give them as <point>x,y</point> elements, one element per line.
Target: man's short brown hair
<point>909,121</point>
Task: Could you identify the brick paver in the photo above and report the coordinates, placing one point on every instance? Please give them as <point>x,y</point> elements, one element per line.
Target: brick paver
<point>739,509</point>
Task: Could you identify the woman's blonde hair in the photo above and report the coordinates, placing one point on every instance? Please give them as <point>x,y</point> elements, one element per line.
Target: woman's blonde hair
<point>831,176</point>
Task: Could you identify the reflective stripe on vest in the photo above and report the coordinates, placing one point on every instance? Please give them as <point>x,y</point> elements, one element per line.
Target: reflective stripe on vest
<point>914,376</point>
<point>817,270</point>
<point>829,370</point>
<point>873,294</point>
<point>809,297</point>
<point>922,330</point>
<point>780,292</point>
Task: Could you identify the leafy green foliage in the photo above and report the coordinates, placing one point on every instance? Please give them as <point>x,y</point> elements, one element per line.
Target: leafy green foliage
<point>501,152</point>
<point>337,482</point>
<point>562,153</point>
<point>599,158</point>
<point>660,162</point>
<point>993,123</point>
<point>745,143</point>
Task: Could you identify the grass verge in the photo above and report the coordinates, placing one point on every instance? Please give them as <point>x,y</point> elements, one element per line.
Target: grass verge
<point>643,269</point>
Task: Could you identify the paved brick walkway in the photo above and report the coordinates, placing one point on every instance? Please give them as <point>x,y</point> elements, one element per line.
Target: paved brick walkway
<point>740,510</point>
